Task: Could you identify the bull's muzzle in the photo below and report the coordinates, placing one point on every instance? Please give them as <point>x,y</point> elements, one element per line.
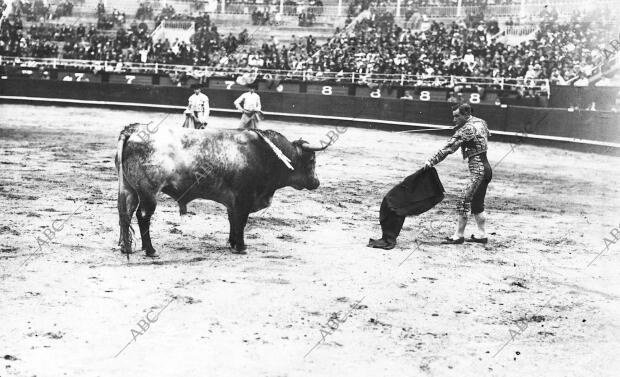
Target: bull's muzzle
<point>313,183</point>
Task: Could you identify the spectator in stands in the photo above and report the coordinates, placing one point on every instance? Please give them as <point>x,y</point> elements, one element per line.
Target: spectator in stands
<point>407,95</point>
<point>260,16</point>
<point>203,21</point>
<point>34,11</point>
<point>469,58</point>
<point>277,19</point>
<point>167,13</point>
<point>100,9</point>
<point>244,37</point>
<point>145,11</point>
<point>118,17</point>
<point>230,43</point>
<point>452,98</point>
<point>144,54</point>
<point>582,80</point>
<point>556,78</point>
<point>306,18</point>
<point>63,9</point>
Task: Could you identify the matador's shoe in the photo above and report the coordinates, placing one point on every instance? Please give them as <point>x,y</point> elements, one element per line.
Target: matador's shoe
<point>473,238</point>
<point>452,241</point>
<point>381,244</point>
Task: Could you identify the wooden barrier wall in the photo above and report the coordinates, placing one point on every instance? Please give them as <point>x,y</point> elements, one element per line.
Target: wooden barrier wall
<point>590,125</point>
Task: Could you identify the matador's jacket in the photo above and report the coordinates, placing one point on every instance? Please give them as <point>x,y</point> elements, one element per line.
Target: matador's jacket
<point>472,138</point>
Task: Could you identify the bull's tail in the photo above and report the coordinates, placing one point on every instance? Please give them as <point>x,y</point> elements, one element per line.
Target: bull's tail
<point>122,140</point>
<point>119,157</point>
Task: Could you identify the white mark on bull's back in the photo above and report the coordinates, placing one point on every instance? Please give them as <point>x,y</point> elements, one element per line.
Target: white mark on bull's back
<point>179,154</point>
<point>224,154</point>
<point>232,154</point>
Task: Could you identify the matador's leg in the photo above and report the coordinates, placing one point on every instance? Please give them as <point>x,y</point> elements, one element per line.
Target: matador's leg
<point>476,170</point>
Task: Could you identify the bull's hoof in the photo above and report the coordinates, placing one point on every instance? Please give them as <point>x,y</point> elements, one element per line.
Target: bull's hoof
<point>239,250</point>
<point>126,250</point>
<point>151,253</point>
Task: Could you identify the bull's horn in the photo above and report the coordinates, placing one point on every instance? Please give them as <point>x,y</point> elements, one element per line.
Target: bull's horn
<point>314,148</point>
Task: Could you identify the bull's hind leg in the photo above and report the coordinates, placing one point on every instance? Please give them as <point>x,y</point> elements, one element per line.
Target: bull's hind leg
<point>127,204</point>
<point>145,211</point>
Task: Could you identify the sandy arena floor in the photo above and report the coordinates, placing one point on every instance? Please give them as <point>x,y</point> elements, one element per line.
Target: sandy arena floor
<point>526,304</point>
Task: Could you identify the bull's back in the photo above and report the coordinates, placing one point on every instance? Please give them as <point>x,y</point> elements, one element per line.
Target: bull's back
<point>183,159</point>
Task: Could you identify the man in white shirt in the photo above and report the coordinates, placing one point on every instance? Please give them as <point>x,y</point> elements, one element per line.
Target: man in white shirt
<point>197,110</point>
<point>144,54</point>
<point>582,80</point>
<point>249,104</point>
<point>469,58</point>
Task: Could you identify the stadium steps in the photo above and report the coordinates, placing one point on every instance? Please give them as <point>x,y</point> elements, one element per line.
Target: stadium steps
<point>90,7</point>
<point>87,21</point>
<point>73,21</point>
<point>229,23</point>
<point>260,35</point>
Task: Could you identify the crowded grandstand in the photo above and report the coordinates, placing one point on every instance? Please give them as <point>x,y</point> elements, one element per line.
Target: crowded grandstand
<point>566,49</point>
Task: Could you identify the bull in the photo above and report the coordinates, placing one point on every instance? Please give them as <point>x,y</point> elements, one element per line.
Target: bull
<point>240,169</point>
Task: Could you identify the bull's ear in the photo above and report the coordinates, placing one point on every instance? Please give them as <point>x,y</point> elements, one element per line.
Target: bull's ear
<point>297,145</point>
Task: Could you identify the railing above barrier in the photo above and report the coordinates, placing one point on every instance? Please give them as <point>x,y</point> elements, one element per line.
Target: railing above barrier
<point>173,24</point>
<point>520,30</point>
<point>251,73</point>
<point>564,8</point>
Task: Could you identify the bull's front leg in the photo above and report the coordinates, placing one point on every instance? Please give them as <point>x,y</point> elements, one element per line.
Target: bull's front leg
<point>182,208</point>
<point>237,219</point>
<point>231,232</point>
<point>242,221</point>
